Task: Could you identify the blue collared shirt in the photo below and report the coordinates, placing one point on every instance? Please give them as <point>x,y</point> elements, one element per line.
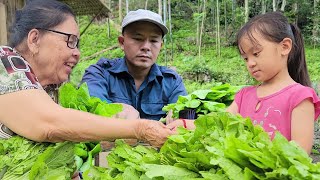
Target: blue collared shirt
<point>110,80</point>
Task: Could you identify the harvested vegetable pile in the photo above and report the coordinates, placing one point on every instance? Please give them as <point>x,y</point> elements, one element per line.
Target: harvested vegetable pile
<point>222,146</point>
<point>24,159</point>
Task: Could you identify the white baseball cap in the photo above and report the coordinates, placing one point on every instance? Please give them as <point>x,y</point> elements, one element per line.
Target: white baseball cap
<point>144,15</point>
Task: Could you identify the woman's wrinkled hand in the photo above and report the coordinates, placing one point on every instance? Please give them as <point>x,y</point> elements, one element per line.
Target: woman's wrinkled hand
<point>128,112</point>
<point>153,132</point>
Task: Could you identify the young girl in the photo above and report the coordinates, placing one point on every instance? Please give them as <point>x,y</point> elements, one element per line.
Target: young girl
<point>284,101</point>
<point>273,52</point>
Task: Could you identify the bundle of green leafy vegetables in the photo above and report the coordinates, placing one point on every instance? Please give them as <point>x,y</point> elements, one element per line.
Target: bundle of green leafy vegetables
<point>222,146</point>
<point>80,99</point>
<point>202,102</point>
<point>25,159</point>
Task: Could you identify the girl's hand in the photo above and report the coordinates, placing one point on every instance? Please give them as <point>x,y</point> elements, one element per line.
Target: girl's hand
<point>188,124</point>
<point>169,117</point>
<point>76,176</point>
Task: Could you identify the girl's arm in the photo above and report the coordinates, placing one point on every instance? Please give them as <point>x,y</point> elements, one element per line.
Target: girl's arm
<point>233,108</point>
<point>302,124</point>
<point>33,114</point>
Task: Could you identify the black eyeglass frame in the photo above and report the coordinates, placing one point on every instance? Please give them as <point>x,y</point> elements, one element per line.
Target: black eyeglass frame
<point>66,34</point>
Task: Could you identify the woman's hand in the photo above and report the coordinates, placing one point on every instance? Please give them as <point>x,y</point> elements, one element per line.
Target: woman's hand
<point>153,132</point>
<point>128,112</point>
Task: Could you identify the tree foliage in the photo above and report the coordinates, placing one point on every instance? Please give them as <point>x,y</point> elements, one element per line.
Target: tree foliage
<point>181,48</point>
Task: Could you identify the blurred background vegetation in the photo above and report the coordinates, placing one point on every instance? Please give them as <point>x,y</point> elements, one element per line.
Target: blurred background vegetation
<point>200,44</point>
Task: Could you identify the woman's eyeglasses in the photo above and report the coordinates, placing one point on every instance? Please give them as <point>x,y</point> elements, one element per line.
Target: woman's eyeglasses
<point>73,40</point>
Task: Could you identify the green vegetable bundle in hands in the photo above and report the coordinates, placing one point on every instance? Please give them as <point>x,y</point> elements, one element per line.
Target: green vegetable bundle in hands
<point>80,99</point>
<point>204,101</point>
<point>146,130</point>
<point>199,103</point>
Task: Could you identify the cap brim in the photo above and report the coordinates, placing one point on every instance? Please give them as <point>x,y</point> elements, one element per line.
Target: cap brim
<point>161,26</point>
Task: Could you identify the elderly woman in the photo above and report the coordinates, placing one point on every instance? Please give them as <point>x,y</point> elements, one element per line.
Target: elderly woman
<point>43,50</point>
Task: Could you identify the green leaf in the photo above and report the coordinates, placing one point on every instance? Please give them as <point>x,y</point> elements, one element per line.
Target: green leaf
<point>168,172</point>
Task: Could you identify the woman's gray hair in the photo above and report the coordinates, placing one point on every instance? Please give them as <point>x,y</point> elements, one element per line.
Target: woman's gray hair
<point>37,14</point>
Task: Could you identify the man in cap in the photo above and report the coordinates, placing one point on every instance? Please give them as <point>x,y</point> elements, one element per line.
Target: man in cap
<point>136,79</point>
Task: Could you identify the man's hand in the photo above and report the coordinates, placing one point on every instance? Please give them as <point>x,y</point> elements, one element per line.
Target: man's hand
<point>128,112</point>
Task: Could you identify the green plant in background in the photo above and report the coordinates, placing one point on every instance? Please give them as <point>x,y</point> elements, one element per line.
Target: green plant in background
<point>312,58</point>
<point>94,40</point>
<point>192,86</point>
<point>229,68</point>
<point>96,37</point>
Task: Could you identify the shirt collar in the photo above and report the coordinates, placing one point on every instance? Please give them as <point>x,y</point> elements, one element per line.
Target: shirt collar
<point>119,66</point>
<point>155,73</point>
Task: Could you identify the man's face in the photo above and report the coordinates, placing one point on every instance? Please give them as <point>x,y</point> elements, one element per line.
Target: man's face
<point>141,43</point>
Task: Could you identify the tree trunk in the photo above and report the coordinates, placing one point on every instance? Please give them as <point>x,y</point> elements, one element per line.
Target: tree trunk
<point>146,5</point>
<point>127,6</point>
<point>108,21</point>
<point>218,29</point>
<point>225,19</point>
<point>165,22</point>
<point>202,26</point>
<point>315,30</point>
<point>246,10</point>
<point>283,5</point>
<point>160,7</point>
<point>170,28</point>
<point>120,11</point>
<point>274,5</point>
<point>165,12</point>
<point>263,6</point>
<point>295,11</point>
<point>213,11</point>
<point>233,18</point>
<point>198,24</point>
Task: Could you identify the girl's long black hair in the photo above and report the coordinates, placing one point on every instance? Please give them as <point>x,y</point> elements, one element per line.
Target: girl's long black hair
<point>274,26</point>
